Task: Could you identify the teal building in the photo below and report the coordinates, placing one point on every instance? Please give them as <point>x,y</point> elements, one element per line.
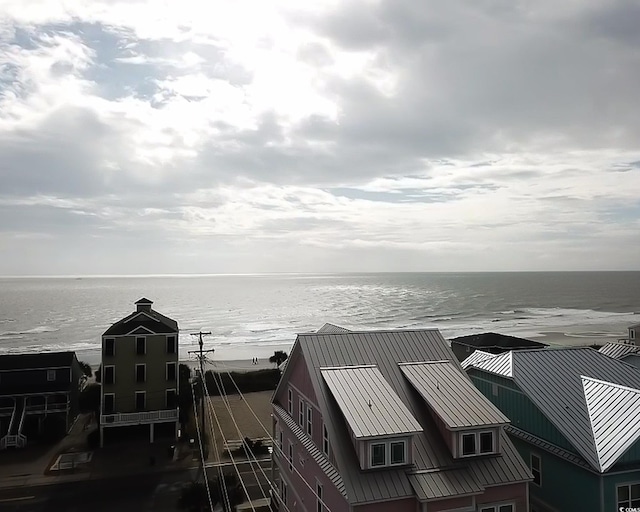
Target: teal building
<point>575,419</point>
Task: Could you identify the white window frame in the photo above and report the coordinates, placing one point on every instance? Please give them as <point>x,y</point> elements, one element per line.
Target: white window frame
<point>463,435</point>
<point>290,456</point>
<point>104,348</point>
<point>309,420</point>
<point>325,440</point>
<point>104,374</point>
<point>144,367</point>
<point>175,371</point>
<point>495,507</point>
<point>144,341</point>
<point>384,462</point>
<point>476,435</point>
<point>301,412</point>
<point>632,334</point>
<point>539,469</point>
<point>493,442</point>
<point>51,375</point>
<point>403,442</point>
<point>290,402</point>
<point>113,409</point>
<point>175,397</point>
<point>144,394</point>
<point>175,344</point>
<point>629,502</point>
<point>319,497</point>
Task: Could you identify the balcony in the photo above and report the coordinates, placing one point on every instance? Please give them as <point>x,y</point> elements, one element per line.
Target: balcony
<point>138,418</point>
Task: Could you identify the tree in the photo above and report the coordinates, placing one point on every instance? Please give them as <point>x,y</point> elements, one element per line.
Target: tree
<point>278,357</point>
<point>99,374</point>
<point>86,368</point>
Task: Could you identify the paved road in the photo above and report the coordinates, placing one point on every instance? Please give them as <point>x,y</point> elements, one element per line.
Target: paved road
<point>158,492</point>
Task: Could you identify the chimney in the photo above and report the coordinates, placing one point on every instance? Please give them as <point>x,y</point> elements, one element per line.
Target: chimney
<point>143,305</point>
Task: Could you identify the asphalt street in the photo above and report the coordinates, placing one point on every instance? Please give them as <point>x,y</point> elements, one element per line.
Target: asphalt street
<point>157,492</point>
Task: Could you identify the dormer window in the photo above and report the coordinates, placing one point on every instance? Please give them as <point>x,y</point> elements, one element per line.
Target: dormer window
<point>398,452</point>
<point>378,454</point>
<point>477,443</point>
<point>388,453</point>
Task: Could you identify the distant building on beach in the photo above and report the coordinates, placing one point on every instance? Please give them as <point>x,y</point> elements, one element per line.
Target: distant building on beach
<point>37,392</point>
<point>491,342</point>
<point>140,371</point>
<point>573,415</point>
<point>387,420</point>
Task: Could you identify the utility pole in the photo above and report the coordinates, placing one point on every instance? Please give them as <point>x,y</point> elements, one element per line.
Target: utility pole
<point>201,356</point>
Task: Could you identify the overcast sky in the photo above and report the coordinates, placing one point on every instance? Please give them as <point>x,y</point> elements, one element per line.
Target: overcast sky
<point>149,136</point>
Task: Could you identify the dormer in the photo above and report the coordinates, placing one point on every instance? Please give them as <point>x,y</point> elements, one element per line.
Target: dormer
<point>468,421</point>
<point>633,333</point>
<point>381,427</point>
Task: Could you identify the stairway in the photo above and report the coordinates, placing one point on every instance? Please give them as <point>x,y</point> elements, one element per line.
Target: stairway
<point>14,437</point>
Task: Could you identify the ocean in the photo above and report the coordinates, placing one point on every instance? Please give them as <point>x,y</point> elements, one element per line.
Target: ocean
<point>253,315</point>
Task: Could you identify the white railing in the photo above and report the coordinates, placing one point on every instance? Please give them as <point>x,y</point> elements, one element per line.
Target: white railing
<point>13,441</point>
<point>137,418</point>
<point>6,411</point>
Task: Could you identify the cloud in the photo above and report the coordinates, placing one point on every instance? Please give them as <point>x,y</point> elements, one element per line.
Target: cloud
<point>358,135</point>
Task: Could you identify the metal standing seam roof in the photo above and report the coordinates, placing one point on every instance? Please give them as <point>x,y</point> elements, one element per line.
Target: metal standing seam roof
<point>451,395</point>
<point>553,381</point>
<point>385,349</point>
<point>331,328</point>
<point>613,412</point>
<point>369,405</point>
<point>501,364</point>
<point>618,350</point>
<point>475,357</point>
<point>445,483</point>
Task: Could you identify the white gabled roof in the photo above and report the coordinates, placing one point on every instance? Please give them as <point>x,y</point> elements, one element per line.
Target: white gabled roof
<point>618,350</point>
<point>613,412</point>
<point>501,364</point>
<point>476,357</point>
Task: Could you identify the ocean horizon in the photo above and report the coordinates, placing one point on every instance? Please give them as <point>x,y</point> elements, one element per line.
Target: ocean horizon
<point>253,314</point>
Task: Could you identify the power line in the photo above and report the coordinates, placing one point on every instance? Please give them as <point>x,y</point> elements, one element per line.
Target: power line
<point>275,445</point>
<point>206,480</point>
<point>246,449</point>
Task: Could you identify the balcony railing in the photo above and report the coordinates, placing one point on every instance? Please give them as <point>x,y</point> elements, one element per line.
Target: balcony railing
<point>139,418</point>
<point>17,441</point>
<point>40,408</point>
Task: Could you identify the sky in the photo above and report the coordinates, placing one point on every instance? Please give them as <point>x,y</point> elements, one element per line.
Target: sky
<point>157,136</point>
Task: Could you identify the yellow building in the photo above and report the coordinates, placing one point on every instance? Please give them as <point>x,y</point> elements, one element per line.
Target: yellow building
<point>140,371</point>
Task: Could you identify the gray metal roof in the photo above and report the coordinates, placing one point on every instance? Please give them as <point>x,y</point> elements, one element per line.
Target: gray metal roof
<point>368,403</point>
<point>386,349</point>
<point>331,328</point>
<point>444,483</point>
<point>613,411</point>
<point>451,395</point>
<point>618,350</point>
<point>553,381</point>
<point>475,357</point>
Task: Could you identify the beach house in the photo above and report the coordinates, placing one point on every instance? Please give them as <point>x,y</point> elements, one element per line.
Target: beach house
<point>37,392</point>
<point>574,419</point>
<point>140,371</point>
<point>492,342</point>
<point>388,420</point>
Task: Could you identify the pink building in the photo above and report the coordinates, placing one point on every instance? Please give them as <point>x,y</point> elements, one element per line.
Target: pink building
<point>387,420</point>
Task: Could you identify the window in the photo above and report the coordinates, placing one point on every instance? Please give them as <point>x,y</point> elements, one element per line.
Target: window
<point>109,374</point>
<point>494,389</point>
<point>109,403</point>
<point>171,371</point>
<point>301,413</point>
<point>378,454</point>
<point>319,498</point>
<point>141,346</point>
<point>171,399</point>
<point>325,440</point>
<point>171,344</point>
<point>51,375</point>
<point>628,496</point>
<point>536,469</point>
<point>290,456</point>
<point>284,492</point>
<point>486,442</point>
<point>309,419</point>
<point>632,334</point>
<point>468,444</point>
<point>498,508</point>
<point>141,399</point>
<point>280,439</point>
<point>290,402</point>
<point>398,452</point>
<point>141,373</point>
<point>109,347</point>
